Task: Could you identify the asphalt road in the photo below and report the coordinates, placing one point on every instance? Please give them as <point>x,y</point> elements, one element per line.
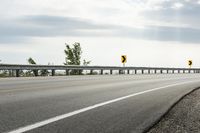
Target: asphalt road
<point>89,104</point>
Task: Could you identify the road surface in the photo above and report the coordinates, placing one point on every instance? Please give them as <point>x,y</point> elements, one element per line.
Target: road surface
<point>89,104</point>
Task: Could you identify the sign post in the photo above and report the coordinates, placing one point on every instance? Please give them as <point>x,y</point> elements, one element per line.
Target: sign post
<point>123,60</point>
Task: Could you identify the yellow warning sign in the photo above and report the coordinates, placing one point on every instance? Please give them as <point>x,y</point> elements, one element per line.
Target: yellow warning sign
<point>123,59</point>
<point>190,63</point>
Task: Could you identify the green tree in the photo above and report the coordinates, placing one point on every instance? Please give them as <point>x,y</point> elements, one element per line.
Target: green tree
<point>43,72</point>
<point>31,61</point>
<point>73,54</point>
<point>77,51</point>
<point>3,73</point>
<point>85,63</point>
<point>73,57</point>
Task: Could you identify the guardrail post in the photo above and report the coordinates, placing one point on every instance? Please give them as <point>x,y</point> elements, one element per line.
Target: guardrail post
<point>52,72</point>
<point>178,71</point>
<point>101,72</point>
<point>121,71</point>
<point>135,71</point>
<point>91,71</point>
<point>161,71</point>
<point>189,71</point>
<point>142,71</point>
<point>111,72</point>
<point>17,73</point>
<point>172,71</point>
<point>35,72</point>
<point>67,72</point>
<point>155,71</point>
<point>80,72</point>
<point>149,71</point>
<point>128,71</point>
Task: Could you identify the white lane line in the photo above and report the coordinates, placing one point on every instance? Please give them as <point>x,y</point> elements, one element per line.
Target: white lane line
<point>60,117</point>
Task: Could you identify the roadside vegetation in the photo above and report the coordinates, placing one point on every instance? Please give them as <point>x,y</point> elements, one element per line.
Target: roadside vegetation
<point>73,55</point>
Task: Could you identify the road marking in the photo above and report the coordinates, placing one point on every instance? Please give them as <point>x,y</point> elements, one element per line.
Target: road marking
<point>60,117</point>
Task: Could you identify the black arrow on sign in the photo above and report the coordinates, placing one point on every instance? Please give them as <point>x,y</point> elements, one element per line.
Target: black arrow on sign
<point>124,59</point>
<point>190,63</point>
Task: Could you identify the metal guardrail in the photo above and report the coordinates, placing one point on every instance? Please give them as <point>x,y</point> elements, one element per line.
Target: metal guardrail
<point>53,68</point>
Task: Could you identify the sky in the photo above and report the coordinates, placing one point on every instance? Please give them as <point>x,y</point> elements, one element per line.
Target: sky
<point>156,33</point>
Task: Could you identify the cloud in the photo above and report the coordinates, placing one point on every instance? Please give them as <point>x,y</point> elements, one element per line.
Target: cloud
<point>28,27</point>
<point>16,30</point>
<point>59,22</point>
<point>176,13</point>
<point>167,23</point>
<point>163,33</point>
<point>177,5</point>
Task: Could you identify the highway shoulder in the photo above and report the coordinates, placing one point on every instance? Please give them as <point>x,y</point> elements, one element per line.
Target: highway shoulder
<point>183,117</point>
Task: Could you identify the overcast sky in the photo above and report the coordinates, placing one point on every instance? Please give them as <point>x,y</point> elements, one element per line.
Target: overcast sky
<point>149,32</point>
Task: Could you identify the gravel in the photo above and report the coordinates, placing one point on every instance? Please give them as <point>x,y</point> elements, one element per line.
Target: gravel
<point>184,117</point>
